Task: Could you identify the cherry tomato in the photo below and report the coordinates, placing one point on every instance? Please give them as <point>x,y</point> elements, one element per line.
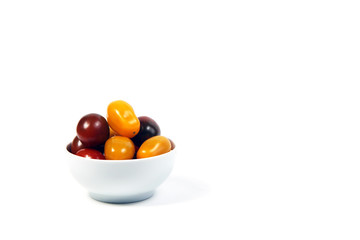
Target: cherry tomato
<point>136,149</point>
<point>172,144</point>
<point>92,130</point>
<point>90,153</point>
<point>122,119</point>
<point>119,148</point>
<point>148,128</point>
<point>68,147</point>
<point>112,133</point>
<point>154,146</point>
<point>76,145</point>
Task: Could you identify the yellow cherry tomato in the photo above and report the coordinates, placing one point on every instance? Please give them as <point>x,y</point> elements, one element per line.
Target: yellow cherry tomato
<point>119,148</point>
<point>154,146</point>
<point>122,119</point>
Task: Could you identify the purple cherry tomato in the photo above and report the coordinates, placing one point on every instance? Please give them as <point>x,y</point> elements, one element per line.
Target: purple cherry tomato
<point>90,153</point>
<point>92,130</point>
<point>148,128</point>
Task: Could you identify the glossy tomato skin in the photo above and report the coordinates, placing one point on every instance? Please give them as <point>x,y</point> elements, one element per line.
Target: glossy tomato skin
<point>172,144</point>
<point>122,119</point>
<point>148,128</point>
<point>92,130</point>
<point>153,147</point>
<point>76,145</point>
<point>119,148</point>
<point>68,147</point>
<point>90,153</point>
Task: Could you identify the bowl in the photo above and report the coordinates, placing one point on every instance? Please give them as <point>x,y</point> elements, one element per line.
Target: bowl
<point>121,181</point>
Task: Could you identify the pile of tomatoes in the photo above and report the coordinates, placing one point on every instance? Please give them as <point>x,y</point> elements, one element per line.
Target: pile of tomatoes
<point>121,136</point>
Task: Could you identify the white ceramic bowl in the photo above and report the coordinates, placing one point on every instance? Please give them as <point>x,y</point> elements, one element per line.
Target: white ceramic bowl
<point>121,181</point>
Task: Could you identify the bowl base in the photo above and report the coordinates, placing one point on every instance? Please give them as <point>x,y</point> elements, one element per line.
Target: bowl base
<point>121,199</point>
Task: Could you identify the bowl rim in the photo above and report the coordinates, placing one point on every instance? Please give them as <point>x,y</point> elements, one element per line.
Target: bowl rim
<point>118,161</point>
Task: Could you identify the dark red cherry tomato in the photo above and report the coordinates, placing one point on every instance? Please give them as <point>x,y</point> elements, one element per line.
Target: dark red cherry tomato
<point>172,144</point>
<point>136,149</point>
<point>90,153</point>
<point>92,130</point>
<point>68,147</point>
<point>76,145</point>
<point>148,128</point>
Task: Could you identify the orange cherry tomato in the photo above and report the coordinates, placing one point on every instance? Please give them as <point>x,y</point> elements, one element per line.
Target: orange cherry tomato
<point>154,146</point>
<point>119,148</point>
<point>122,119</point>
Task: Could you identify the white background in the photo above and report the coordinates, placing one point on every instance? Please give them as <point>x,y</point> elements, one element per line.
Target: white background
<point>261,98</point>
